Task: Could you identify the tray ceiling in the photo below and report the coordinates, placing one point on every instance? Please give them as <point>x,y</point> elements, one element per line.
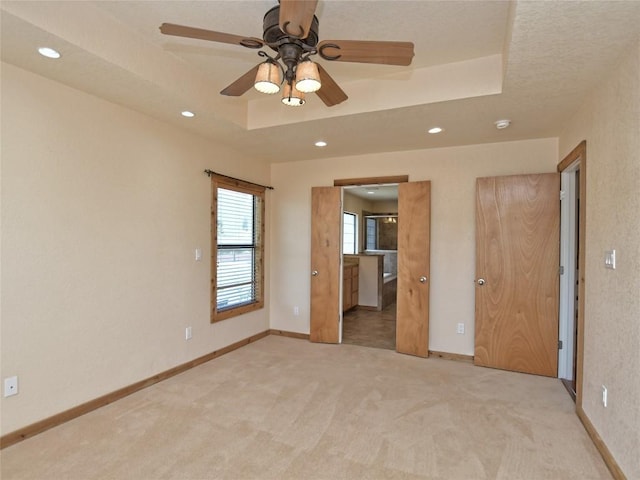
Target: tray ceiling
<point>476,62</point>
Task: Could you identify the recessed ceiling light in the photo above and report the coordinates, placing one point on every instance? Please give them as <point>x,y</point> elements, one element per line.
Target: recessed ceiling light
<point>321,143</point>
<point>48,52</point>
<point>188,114</point>
<point>435,130</point>
<point>500,124</point>
<point>371,192</point>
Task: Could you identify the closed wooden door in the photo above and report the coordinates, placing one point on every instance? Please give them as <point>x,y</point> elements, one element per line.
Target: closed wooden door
<point>326,218</point>
<point>517,263</point>
<point>414,227</point>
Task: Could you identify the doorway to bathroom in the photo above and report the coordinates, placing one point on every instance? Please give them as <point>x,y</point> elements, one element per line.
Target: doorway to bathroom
<point>337,280</point>
<point>370,247</point>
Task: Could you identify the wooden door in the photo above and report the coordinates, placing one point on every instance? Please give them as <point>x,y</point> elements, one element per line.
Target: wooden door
<point>326,219</point>
<point>517,263</point>
<point>414,226</point>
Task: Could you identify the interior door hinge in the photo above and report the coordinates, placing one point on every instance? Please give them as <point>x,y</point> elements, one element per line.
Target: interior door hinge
<point>562,194</point>
<point>561,269</point>
<point>559,344</point>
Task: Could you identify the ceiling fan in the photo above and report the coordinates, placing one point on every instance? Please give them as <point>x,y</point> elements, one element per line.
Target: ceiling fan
<point>291,30</point>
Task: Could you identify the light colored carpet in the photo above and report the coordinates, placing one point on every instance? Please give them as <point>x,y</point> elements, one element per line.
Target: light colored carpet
<point>282,408</point>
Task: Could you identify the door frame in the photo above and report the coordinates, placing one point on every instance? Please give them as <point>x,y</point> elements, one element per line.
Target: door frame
<point>354,182</point>
<point>579,155</point>
<point>568,247</point>
<point>349,182</point>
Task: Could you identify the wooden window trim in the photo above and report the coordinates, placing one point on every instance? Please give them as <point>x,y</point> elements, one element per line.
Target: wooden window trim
<point>218,181</point>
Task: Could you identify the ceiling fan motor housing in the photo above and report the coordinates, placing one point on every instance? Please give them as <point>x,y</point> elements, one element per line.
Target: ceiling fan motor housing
<point>272,32</point>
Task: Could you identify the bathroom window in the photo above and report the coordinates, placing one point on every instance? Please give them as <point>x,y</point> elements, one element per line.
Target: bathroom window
<point>237,231</point>
<point>371,233</point>
<point>349,235</point>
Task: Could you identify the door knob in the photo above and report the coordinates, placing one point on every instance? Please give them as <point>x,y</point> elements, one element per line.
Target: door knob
<point>314,273</point>
<point>423,279</point>
<point>480,281</point>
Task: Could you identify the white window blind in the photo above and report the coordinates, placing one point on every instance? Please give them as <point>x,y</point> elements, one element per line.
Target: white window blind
<point>237,243</point>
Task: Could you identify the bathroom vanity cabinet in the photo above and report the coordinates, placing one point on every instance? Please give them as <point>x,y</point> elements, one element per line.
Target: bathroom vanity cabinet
<point>350,282</point>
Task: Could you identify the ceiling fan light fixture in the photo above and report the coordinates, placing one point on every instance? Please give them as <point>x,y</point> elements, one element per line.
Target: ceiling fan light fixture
<point>268,78</point>
<point>307,77</point>
<point>291,96</point>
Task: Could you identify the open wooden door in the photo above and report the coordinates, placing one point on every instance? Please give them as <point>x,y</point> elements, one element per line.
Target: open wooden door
<point>517,263</point>
<point>326,219</point>
<point>414,227</point>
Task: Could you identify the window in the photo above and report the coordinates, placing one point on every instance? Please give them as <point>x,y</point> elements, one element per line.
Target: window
<point>237,233</point>
<point>349,229</point>
<point>371,227</point>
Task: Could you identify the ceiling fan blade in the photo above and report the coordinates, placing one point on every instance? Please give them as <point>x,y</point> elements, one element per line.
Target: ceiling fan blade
<point>364,51</point>
<point>201,34</point>
<point>296,17</point>
<point>242,84</point>
<point>330,93</point>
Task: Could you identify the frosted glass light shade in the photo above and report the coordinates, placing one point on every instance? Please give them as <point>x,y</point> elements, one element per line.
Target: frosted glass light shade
<point>292,96</point>
<point>268,78</point>
<point>307,77</point>
<point>48,52</point>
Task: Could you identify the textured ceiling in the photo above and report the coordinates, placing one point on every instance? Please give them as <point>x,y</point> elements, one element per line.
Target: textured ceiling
<point>476,62</point>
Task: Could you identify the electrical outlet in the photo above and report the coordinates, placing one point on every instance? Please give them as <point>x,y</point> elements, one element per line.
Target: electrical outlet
<point>460,328</point>
<point>198,254</point>
<point>10,386</point>
<point>188,333</point>
<point>604,396</point>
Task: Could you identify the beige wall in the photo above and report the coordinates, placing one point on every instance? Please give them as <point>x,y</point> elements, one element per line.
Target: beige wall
<point>610,122</point>
<point>385,206</point>
<point>102,209</point>
<point>452,172</point>
<point>354,204</point>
